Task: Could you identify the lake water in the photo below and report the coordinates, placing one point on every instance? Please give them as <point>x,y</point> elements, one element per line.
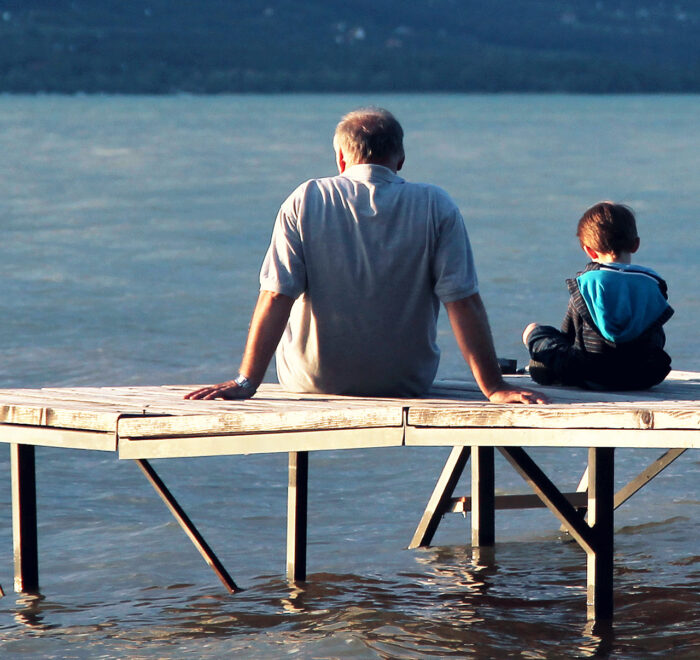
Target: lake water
<point>133,229</point>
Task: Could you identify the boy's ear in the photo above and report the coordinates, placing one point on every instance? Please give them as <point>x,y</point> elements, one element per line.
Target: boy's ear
<point>593,254</point>
<point>636,245</point>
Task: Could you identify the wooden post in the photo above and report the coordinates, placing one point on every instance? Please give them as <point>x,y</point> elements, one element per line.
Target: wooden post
<point>24,528</point>
<point>441,499</point>
<point>297,501</point>
<point>483,497</point>
<point>601,493</point>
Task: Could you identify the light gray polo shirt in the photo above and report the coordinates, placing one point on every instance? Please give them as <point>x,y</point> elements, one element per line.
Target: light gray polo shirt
<point>368,257</point>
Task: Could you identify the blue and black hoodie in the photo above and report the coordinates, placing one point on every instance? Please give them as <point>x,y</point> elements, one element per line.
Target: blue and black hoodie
<point>612,336</point>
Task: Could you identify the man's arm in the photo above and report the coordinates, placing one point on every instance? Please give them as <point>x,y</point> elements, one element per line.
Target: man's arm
<point>266,328</point>
<point>471,328</point>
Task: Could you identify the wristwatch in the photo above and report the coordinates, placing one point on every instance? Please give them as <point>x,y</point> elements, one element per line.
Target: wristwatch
<point>243,382</point>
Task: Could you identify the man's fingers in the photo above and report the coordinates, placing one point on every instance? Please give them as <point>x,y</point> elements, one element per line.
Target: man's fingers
<point>517,396</point>
<point>210,392</point>
<point>221,391</point>
<point>533,397</point>
<point>197,394</point>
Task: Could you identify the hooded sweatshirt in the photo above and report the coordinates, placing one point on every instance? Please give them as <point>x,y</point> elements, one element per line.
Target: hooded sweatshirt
<point>616,307</point>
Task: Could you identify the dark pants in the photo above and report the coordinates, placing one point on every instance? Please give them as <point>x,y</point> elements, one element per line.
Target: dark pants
<point>555,361</point>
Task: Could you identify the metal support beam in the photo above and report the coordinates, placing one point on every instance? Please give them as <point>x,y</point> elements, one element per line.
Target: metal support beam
<point>24,527</point>
<point>483,497</point>
<point>645,476</point>
<point>187,525</point>
<point>441,498</point>
<point>601,471</point>
<point>297,502</point>
<point>464,504</point>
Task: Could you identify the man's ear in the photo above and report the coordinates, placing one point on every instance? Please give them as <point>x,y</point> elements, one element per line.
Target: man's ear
<point>593,254</point>
<point>399,165</point>
<point>636,245</point>
<point>340,160</point>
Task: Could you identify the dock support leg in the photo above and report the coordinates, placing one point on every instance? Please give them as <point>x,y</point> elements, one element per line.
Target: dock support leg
<point>441,498</point>
<point>24,527</point>
<point>601,494</point>
<point>297,501</point>
<point>187,525</point>
<point>483,497</point>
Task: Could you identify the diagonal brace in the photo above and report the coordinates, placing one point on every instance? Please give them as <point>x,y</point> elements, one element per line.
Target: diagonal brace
<point>551,496</point>
<point>441,499</point>
<point>187,525</point>
<point>646,475</point>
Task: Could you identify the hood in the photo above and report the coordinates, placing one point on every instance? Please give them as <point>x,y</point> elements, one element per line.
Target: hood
<point>623,300</point>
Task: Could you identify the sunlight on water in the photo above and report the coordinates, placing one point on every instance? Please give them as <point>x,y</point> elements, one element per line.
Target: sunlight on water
<point>133,231</point>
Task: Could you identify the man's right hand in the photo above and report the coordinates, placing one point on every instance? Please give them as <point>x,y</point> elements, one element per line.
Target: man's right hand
<point>228,390</point>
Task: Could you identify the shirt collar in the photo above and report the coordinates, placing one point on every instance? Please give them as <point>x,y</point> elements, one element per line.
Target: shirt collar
<point>371,172</point>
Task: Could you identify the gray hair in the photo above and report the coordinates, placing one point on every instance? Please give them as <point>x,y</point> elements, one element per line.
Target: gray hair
<point>369,135</point>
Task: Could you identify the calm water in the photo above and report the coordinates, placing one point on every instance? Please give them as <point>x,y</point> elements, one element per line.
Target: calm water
<point>132,233</point>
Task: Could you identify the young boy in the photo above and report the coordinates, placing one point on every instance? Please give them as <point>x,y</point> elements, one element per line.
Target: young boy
<point>612,336</point>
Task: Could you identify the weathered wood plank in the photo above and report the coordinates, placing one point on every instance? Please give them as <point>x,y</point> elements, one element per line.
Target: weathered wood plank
<point>57,437</point>
<point>248,422</point>
<point>261,443</point>
<point>543,437</point>
<point>593,416</point>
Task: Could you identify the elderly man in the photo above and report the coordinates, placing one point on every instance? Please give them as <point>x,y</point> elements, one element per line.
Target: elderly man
<point>353,279</point>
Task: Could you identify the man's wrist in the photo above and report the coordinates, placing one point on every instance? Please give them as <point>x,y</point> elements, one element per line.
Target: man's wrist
<point>243,382</point>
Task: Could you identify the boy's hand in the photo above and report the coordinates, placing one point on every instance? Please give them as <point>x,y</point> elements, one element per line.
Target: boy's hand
<point>517,395</point>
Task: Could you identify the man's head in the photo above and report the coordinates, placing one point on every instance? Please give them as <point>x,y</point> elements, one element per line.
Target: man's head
<point>369,135</point>
<point>608,229</point>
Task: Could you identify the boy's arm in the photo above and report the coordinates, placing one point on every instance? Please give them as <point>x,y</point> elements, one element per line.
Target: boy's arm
<point>567,325</point>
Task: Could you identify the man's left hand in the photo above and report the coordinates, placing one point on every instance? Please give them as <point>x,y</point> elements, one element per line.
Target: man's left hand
<point>516,395</point>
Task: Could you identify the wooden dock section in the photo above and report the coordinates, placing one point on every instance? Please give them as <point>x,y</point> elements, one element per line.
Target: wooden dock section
<point>142,423</point>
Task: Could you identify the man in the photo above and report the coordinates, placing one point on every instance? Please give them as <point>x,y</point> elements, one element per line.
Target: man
<point>353,279</point>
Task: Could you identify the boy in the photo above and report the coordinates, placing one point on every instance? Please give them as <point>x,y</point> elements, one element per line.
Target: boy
<point>612,336</point>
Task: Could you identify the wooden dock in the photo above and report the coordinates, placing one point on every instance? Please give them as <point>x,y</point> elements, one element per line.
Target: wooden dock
<point>142,423</point>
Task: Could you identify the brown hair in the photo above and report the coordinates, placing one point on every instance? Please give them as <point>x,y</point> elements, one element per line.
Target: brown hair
<point>369,135</point>
<point>609,228</point>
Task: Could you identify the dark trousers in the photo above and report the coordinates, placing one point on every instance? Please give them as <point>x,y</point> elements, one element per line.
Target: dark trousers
<point>555,361</point>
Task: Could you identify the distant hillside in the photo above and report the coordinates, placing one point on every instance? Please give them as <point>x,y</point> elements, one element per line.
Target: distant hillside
<point>212,46</point>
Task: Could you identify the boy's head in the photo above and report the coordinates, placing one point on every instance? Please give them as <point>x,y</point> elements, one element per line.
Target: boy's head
<point>608,229</point>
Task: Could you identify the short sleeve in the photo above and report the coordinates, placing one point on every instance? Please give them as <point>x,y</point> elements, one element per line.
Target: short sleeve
<point>283,269</point>
<point>453,263</point>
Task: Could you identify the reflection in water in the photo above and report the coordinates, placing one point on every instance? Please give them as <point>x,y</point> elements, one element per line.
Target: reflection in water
<point>598,639</point>
<point>29,612</point>
<point>449,606</point>
<point>295,603</point>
